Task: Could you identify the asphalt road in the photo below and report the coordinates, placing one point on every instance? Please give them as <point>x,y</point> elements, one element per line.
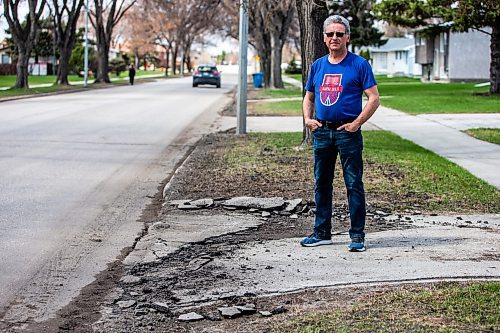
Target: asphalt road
<point>76,172</point>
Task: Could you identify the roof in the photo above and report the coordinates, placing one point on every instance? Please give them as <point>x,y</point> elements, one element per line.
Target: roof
<point>395,44</point>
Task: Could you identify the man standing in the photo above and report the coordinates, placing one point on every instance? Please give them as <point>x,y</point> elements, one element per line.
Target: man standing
<point>131,74</point>
<point>335,88</point>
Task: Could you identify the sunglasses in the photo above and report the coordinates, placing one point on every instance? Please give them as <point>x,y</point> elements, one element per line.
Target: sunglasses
<point>331,34</point>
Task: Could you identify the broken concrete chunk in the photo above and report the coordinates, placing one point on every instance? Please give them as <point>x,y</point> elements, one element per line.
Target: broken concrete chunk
<point>191,316</point>
<point>266,214</point>
<point>198,263</point>
<point>247,309</point>
<point>207,202</point>
<point>161,307</point>
<point>130,279</point>
<point>126,304</point>
<point>291,205</point>
<point>265,313</point>
<point>294,216</point>
<point>188,206</point>
<point>178,202</point>
<point>251,202</point>
<point>229,312</point>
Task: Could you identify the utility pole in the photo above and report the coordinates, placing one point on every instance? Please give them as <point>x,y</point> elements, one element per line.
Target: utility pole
<point>242,84</point>
<point>86,54</point>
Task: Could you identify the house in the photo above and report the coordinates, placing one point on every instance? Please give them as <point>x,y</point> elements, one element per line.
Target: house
<point>4,55</point>
<point>452,56</point>
<point>395,58</point>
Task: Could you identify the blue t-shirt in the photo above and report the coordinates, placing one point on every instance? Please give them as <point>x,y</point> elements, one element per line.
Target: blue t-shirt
<point>339,88</point>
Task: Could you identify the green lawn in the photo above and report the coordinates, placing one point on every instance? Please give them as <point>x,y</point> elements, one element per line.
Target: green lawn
<point>445,307</point>
<point>416,97</point>
<point>282,108</point>
<point>486,134</point>
<point>75,83</point>
<point>10,80</point>
<point>396,79</point>
<point>297,77</point>
<point>414,174</point>
<point>398,173</point>
<point>288,91</point>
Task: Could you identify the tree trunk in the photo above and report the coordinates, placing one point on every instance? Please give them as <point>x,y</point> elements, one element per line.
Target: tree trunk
<point>174,60</point>
<point>22,69</point>
<point>63,68</point>
<point>167,60</point>
<point>311,18</point>
<point>65,21</point>
<point>265,68</point>
<point>102,64</point>
<point>276,53</point>
<point>495,58</point>
<point>23,34</point>
<point>137,58</point>
<point>188,63</point>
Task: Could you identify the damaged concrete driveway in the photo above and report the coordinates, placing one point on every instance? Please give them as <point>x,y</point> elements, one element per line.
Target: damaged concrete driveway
<point>193,267</point>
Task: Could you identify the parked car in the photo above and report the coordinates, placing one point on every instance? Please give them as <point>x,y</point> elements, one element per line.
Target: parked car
<point>206,74</point>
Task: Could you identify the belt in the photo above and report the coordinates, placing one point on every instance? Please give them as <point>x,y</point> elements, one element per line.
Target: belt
<point>336,124</point>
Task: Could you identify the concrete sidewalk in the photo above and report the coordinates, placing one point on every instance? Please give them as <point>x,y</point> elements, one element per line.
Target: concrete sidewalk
<point>435,133</point>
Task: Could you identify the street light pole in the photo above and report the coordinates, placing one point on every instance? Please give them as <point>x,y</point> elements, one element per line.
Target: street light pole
<point>242,84</point>
<point>86,53</point>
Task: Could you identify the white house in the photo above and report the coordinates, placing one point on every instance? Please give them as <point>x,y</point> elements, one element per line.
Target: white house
<point>395,58</point>
<point>453,56</point>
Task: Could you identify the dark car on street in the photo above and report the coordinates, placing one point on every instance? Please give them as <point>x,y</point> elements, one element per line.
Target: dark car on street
<point>206,74</point>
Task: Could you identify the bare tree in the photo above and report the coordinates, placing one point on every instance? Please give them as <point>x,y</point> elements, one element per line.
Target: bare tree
<point>65,14</point>
<point>269,24</point>
<point>104,18</point>
<point>277,17</point>
<point>196,18</point>
<point>23,33</point>
<point>164,28</point>
<point>139,29</point>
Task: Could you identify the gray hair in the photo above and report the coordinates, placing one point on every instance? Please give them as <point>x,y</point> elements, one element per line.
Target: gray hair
<point>337,19</point>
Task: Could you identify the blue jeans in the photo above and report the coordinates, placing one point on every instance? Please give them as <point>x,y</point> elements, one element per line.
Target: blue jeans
<point>328,143</point>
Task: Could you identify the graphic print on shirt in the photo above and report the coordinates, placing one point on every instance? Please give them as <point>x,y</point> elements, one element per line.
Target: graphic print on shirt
<point>329,91</point>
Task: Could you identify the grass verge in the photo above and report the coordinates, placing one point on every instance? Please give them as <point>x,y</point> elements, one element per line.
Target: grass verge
<point>281,108</point>
<point>398,173</point>
<point>486,134</point>
<point>445,307</point>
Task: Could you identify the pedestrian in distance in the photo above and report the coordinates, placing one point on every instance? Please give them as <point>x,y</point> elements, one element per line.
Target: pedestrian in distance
<point>131,74</point>
<point>334,88</point>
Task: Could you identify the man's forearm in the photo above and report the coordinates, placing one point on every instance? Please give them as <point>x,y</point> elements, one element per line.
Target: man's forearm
<point>368,111</point>
<point>307,107</point>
